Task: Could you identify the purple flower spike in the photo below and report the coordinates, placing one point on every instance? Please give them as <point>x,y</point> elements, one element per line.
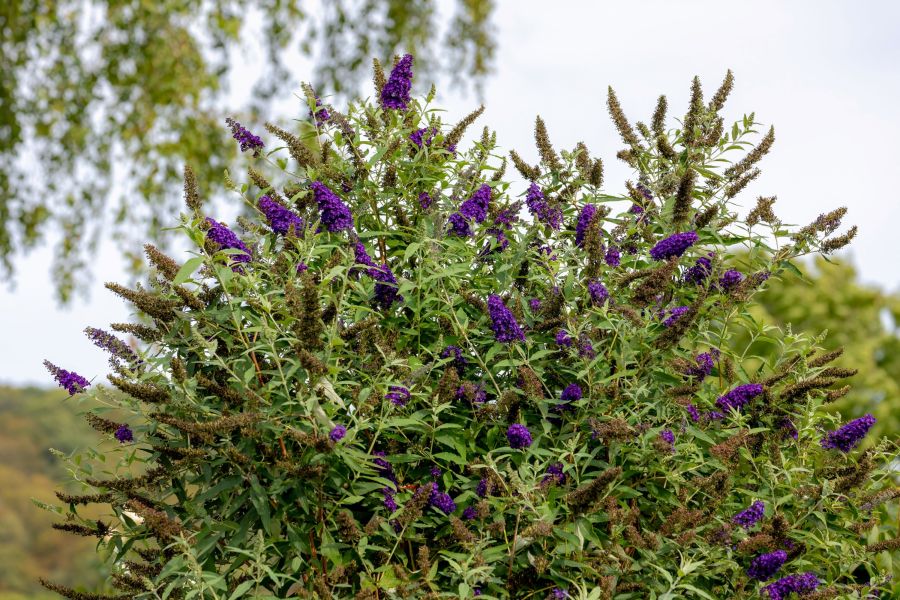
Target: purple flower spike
<point>518,435</point>
<point>730,279</point>
<point>118,349</point>
<point>422,137</point>
<point>739,396</point>
<point>247,140</point>
<point>338,433</point>
<point>459,225</point>
<point>470,514</point>
<point>562,339</point>
<point>321,114</point>
<point>559,594</point>
<point>572,393</point>
<point>124,434</point>
<point>385,287</point>
<point>598,292</point>
<point>850,435</point>
<point>398,395</point>
<point>764,566</point>
<point>675,314</point>
<point>792,584</point>
<point>476,207</point>
<point>301,267</point>
<point>280,219</point>
<point>748,517</point>
<point>503,323</point>
<point>613,257</point>
<point>674,245</point>
<point>584,219</point>
<point>425,200</point>
<point>541,208</point>
<point>334,213</point>
<point>70,381</point>
<point>667,436</point>
<point>700,271</point>
<point>395,93</point>
<point>441,501</point>
<point>219,234</point>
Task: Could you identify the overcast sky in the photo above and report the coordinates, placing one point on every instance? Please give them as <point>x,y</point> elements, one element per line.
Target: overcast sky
<point>825,73</point>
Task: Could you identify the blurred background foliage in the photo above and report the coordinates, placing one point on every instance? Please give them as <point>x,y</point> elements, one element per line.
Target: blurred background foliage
<point>826,296</point>
<point>32,421</point>
<point>114,97</point>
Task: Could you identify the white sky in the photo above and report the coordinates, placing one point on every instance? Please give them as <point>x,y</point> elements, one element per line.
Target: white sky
<point>825,73</point>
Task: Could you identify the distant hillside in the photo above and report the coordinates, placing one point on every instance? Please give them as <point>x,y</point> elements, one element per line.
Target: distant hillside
<point>32,421</point>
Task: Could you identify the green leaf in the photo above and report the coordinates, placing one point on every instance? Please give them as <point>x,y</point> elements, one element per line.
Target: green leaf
<point>187,269</point>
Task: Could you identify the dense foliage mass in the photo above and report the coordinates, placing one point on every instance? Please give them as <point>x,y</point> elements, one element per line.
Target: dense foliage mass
<point>411,378</point>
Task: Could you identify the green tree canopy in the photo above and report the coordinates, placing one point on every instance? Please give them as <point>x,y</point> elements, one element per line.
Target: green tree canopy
<point>97,92</point>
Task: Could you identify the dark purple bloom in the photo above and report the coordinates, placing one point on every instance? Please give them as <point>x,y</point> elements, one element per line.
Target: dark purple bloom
<point>636,209</point>
<point>481,488</point>
<point>792,584</point>
<point>225,239</point>
<point>459,225</point>
<point>361,257</point>
<point>554,475</point>
<point>118,349</point>
<point>849,435</point>
<point>585,348</point>
<point>739,396</point>
<point>435,472</point>
<point>425,200</point>
<point>542,210</point>
<point>124,434</point>
<point>572,393</point>
<point>645,191</point>
<point>321,114</point>
<point>502,242</point>
<point>247,140</point>
<point>302,267</point>
<point>692,410</point>
<point>395,93</point>
<point>730,279</point>
<point>700,271</point>
<point>71,381</point>
<point>386,291</point>
<point>748,517</point>
<point>440,500</point>
<point>705,363</point>
<point>667,436</point>
<point>477,591</point>
<point>674,245</point>
<point>503,322</point>
<point>476,207</point>
<point>613,257</point>
<point>714,415</point>
<point>280,219</point>
<point>562,339</point>
<point>598,292</point>
<point>333,212</point>
<point>389,502</point>
<point>559,594</point>
<point>398,395</point>
<point>534,304</point>
<point>470,514</point>
<point>584,219</point>
<point>518,436</point>
<point>788,429</point>
<point>459,361</point>
<point>338,433</point>
<point>675,314</point>
<point>765,565</point>
<point>385,469</point>
<point>418,137</point>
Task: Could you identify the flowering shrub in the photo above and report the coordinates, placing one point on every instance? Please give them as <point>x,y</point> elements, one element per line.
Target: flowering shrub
<point>409,377</point>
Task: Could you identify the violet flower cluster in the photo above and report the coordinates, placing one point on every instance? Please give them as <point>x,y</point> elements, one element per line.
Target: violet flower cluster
<point>792,584</point>
<point>395,93</point>
<point>386,291</point>
<point>748,517</point>
<point>398,395</point>
<point>124,434</point>
<point>598,292</point>
<point>70,381</point>
<point>423,137</point>
<point>518,436</point>
<point>335,215</point>
<point>739,396</point>
<point>700,271</point>
<point>280,219</point>
<point>247,140</point>
<point>503,323</point>
<point>675,314</point>
<point>219,234</point>
<point>118,349</point>
<point>337,433</point>
<point>848,436</point>
<point>764,566</point>
<point>441,500</point>
<point>584,219</point>
<point>674,245</point>
<point>541,208</point>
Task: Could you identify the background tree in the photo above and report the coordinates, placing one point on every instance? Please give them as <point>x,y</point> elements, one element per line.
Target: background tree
<point>860,319</point>
<point>96,92</point>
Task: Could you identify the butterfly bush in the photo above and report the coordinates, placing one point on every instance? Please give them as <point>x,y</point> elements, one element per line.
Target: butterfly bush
<point>405,372</point>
